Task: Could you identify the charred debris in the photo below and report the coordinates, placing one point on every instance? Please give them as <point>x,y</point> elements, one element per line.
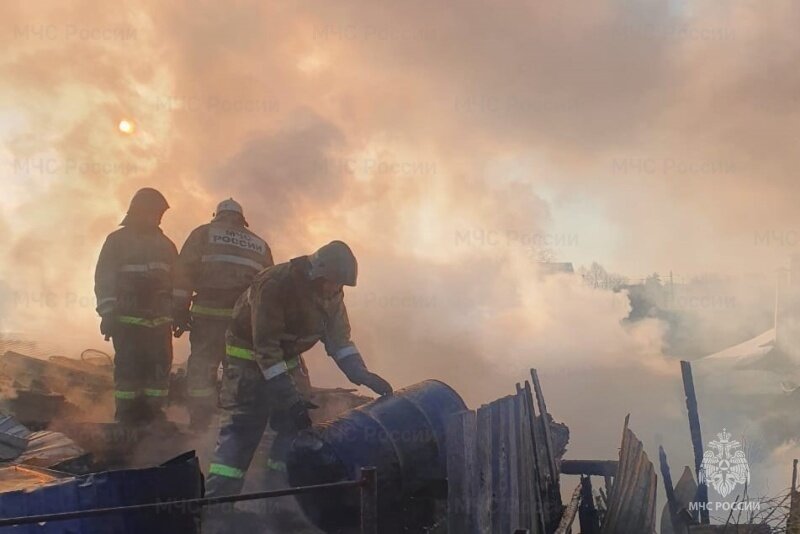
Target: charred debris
<point>441,467</point>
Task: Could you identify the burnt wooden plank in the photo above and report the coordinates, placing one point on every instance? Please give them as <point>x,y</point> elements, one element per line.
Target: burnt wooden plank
<point>650,520</point>
<point>523,462</point>
<point>587,513</point>
<point>540,460</point>
<point>553,495</point>
<point>537,524</point>
<point>462,473</point>
<point>646,496</point>
<point>685,490</point>
<point>526,469</point>
<point>514,466</point>
<point>601,468</point>
<point>613,497</point>
<point>697,440</point>
<point>484,453</point>
<point>568,517</point>
<point>669,489</point>
<point>501,475</point>
<point>548,444</point>
<point>631,504</point>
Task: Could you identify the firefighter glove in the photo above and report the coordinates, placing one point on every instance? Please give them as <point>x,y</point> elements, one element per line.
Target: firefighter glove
<point>356,371</point>
<point>181,321</point>
<point>377,384</point>
<point>107,324</point>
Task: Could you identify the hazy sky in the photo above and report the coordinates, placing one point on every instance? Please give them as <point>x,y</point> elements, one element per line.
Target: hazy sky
<point>446,142</point>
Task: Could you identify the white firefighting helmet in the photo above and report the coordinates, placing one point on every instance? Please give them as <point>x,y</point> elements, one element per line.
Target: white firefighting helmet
<point>230,206</point>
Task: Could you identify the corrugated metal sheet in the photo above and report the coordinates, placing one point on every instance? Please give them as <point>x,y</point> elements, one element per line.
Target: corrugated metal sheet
<point>685,490</point>
<point>43,449</point>
<point>13,438</point>
<point>632,503</point>
<point>47,449</point>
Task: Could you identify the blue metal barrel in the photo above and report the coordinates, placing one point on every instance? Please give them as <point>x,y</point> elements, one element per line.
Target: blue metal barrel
<point>403,436</point>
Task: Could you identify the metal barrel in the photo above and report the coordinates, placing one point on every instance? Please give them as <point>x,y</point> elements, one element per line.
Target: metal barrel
<point>403,436</point>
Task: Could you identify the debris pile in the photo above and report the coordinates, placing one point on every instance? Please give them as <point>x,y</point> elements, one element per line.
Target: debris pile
<point>441,466</point>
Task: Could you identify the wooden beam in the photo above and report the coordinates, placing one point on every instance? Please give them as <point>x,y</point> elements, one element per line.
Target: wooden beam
<point>484,463</point>
<point>461,473</point>
<point>601,468</point>
<point>697,440</point>
<point>669,489</point>
<point>569,512</point>
<point>587,513</point>
<point>548,439</point>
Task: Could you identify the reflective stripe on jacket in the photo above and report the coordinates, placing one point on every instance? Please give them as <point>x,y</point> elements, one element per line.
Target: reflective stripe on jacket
<point>134,273</point>
<point>280,316</point>
<point>218,261</point>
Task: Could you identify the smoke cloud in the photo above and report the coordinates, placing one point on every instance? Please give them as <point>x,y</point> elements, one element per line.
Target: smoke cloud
<point>453,149</point>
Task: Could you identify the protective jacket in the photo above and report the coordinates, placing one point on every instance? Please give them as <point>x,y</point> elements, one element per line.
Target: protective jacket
<point>133,285</point>
<point>280,316</point>
<point>217,263</point>
<point>134,275</point>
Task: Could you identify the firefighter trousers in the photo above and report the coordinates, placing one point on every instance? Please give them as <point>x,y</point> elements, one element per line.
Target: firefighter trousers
<point>246,411</point>
<point>207,340</point>
<point>142,363</point>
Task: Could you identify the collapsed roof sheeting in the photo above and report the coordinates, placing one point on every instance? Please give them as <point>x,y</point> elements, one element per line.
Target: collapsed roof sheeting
<point>48,449</point>
<point>13,438</point>
<point>20,477</point>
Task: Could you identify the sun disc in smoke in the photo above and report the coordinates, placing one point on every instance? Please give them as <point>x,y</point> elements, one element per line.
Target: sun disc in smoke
<point>127,126</point>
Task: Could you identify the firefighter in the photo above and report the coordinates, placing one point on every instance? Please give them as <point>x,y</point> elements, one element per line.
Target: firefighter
<point>216,264</point>
<point>284,312</point>
<point>133,285</point>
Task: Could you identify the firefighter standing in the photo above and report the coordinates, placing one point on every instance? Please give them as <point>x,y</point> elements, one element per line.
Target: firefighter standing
<point>284,312</point>
<point>133,285</point>
<point>216,264</point>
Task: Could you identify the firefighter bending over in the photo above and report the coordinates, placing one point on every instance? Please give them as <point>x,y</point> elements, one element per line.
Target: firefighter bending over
<point>284,312</point>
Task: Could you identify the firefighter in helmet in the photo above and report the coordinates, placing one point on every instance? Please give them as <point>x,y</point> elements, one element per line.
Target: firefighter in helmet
<point>133,286</point>
<point>284,312</point>
<point>216,264</point>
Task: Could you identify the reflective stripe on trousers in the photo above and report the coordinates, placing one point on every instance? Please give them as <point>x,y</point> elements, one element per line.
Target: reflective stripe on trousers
<point>276,465</point>
<point>225,471</point>
<point>147,392</point>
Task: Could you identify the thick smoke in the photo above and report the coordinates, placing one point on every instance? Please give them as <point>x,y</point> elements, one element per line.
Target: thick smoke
<point>452,150</point>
